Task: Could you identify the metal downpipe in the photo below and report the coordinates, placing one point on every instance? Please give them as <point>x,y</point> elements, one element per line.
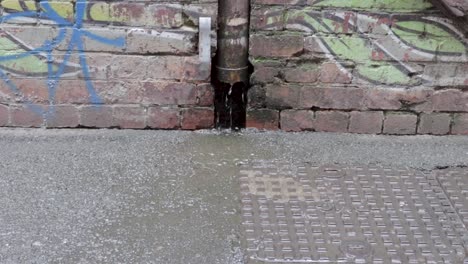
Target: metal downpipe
<point>232,63</point>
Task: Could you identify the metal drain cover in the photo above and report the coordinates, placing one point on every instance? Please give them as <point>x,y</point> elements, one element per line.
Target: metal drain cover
<point>333,214</point>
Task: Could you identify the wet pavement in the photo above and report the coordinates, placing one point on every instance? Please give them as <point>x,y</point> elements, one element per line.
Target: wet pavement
<point>112,196</point>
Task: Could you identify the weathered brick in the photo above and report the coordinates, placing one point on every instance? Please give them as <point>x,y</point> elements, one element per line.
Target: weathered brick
<point>400,123</point>
<point>119,92</point>
<point>4,116</point>
<point>276,46</point>
<point>167,93</point>
<point>197,118</point>
<point>264,75</point>
<point>90,44</point>
<point>269,18</point>
<point>450,100</point>
<point>434,123</point>
<point>205,95</point>
<point>366,122</point>
<point>305,73</point>
<point>331,121</point>
<point>130,116</point>
<point>460,124</point>
<point>342,98</point>
<point>72,92</point>
<point>310,97</point>
<point>23,116</point>
<point>263,119</point>
<point>144,41</point>
<point>165,67</point>
<point>165,15</point>
<point>397,98</point>
<point>63,116</point>
<point>282,96</point>
<point>128,67</point>
<point>332,98</point>
<point>195,70</point>
<point>331,73</point>
<point>99,116</point>
<point>29,90</point>
<point>163,118</point>
<point>297,120</point>
<point>256,97</point>
<point>206,8</point>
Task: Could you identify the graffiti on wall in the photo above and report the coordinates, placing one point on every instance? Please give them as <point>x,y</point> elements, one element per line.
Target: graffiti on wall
<point>383,48</point>
<point>18,58</point>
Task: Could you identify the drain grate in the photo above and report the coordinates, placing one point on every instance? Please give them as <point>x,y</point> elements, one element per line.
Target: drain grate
<point>455,184</point>
<point>333,214</point>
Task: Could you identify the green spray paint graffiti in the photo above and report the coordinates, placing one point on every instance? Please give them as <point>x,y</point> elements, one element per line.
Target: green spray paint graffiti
<point>375,5</point>
<point>384,49</point>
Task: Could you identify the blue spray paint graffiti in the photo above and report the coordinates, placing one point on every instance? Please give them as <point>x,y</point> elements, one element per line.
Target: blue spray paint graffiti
<point>54,75</point>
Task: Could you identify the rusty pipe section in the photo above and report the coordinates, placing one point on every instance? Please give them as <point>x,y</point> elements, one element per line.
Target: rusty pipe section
<point>233,42</point>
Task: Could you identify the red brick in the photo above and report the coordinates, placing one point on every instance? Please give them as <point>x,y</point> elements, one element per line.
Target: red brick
<point>195,70</point>
<point>460,124</point>
<point>162,93</point>
<point>100,116</point>
<point>332,98</point>
<point>264,75</point>
<point>342,98</point>
<point>118,92</point>
<point>383,99</point>
<point>163,118</point>
<point>197,118</point>
<point>129,13</point>
<point>166,15</point>
<point>130,116</point>
<point>72,92</point>
<point>4,115</point>
<point>310,97</point>
<point>6,95</point>
<point>331,73</point>
<point>261,19</point>
<point>166,67</point>
<point>263,119</point>
<point>23,116</point>
<point>450,100</point>
<point>282,96</point>
<point>256,97</point>
<point>276,46</point>
<point>297,120</point>
<point>331,121</point>
<point>434,123</point>
<point>63,116</point>
<point>400,124</point>
<point>366,122</point>
<point>205,95</point>
<point>395,98</point>
<point>31,90</point>
<point>302,74</point>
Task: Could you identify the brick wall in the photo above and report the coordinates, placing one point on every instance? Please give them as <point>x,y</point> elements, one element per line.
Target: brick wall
<point>127,64</point>
<point>379,67</point>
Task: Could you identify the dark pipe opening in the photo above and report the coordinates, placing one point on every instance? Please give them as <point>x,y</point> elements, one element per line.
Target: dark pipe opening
<point>230,105</point>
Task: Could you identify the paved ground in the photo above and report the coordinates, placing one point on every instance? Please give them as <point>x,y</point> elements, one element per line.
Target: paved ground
<point>110,196</point>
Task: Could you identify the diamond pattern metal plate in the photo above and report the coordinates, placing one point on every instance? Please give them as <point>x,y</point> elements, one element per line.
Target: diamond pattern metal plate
<point>455,184</point>
<point>333,214</point>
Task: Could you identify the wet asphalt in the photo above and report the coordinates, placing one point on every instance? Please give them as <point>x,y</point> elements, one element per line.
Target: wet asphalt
<point>115,196</point>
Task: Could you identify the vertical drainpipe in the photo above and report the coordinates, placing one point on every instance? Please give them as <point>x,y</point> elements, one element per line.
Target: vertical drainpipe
<point>232,62</point>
